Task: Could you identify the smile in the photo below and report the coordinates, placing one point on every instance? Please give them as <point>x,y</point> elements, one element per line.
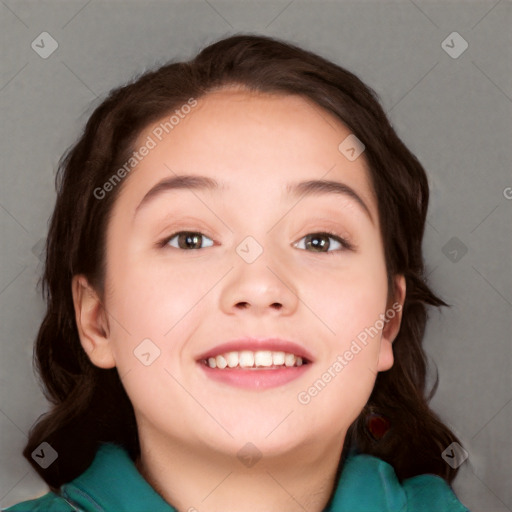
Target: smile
<point>255,363</point>
<point>255,360</point>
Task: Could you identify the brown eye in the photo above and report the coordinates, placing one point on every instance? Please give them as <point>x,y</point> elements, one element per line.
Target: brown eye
<point>187,240</point>
<point>321,242</point>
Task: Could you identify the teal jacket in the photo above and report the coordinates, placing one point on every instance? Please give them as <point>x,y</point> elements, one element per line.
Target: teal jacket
<point>112,483</point>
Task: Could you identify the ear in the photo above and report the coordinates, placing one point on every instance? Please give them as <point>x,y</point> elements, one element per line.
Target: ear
<point>392,321</point>
<point>92,323</point>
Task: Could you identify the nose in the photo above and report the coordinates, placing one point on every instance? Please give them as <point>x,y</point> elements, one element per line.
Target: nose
<point>263,287</point>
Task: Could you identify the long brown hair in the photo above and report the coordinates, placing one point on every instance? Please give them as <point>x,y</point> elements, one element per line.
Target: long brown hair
<point>89,404</point>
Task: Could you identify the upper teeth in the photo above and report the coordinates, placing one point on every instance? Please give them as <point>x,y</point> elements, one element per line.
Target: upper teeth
<point>249,359</point>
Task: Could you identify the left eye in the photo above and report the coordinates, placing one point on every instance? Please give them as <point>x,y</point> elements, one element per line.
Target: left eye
<point>319,241</point>
<point>187,240</point>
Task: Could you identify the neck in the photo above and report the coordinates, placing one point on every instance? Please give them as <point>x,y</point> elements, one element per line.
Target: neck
<point>192,479</point>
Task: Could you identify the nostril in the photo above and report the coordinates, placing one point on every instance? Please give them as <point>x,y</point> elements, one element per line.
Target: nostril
<point>245,305</point>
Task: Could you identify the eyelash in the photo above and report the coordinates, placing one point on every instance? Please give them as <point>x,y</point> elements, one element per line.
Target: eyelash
<point>346,245</point>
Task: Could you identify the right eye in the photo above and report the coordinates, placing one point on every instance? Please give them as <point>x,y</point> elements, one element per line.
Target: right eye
<point>186,240</point>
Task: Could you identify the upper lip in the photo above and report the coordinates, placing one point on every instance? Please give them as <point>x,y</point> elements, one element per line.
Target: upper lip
<point>255,344</point>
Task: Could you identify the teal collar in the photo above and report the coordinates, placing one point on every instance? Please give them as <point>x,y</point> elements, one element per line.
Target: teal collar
<point>113,483</point>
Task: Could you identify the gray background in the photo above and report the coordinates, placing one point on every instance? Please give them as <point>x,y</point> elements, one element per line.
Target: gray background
<point>453,113</point>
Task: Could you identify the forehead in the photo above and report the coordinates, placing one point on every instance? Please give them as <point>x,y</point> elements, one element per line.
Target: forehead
<point>251,143</point>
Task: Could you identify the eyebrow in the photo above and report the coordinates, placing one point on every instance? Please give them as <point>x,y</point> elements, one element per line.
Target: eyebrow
<point>303,188</point>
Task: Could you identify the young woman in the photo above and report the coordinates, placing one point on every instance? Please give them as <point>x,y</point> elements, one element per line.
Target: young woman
<point>236,299</point>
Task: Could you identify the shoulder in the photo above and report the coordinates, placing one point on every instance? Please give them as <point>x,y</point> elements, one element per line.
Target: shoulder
<point>368,483</point>
<point>426,491</point>
<point>49,502</point>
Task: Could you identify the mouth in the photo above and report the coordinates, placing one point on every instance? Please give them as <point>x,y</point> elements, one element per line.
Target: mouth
<point>256,363</point>
<point>255,360</point>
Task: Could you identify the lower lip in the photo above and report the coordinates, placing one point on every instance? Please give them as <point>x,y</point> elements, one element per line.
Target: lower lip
<point>255,379</point>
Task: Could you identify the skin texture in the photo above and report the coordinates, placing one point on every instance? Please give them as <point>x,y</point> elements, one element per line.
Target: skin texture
<point>187,301</point>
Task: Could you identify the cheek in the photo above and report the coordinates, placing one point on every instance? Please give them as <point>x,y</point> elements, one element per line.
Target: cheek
<point>153,295</point>
<point>349,299</point>
<point>344,380</point>
<point>154,302</point>
<point>154,310</point>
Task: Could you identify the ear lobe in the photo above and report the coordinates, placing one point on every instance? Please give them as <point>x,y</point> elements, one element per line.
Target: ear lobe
<point>92,323</point>
<point>392,325</point>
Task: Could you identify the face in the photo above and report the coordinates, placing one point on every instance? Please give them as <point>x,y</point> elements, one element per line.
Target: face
<point>192,268</point>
